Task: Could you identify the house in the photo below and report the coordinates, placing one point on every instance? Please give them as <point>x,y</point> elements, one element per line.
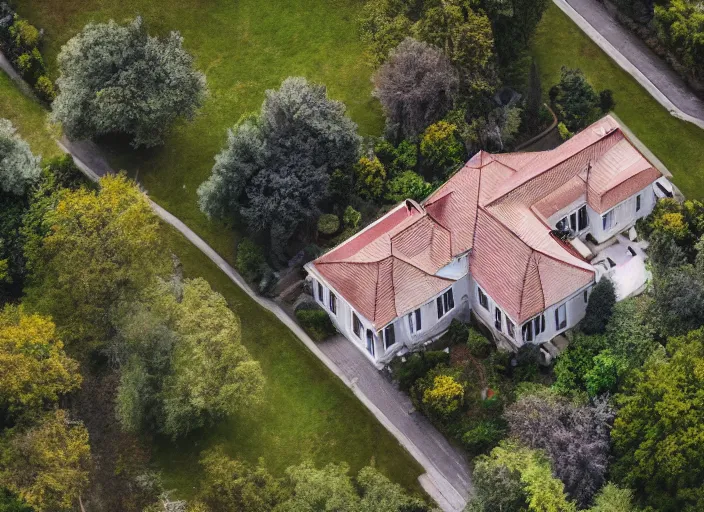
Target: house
<point>518,239</point>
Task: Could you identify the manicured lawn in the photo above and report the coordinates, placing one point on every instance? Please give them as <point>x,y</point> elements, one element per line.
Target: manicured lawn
<point>309,413</point>
<point>28,117</point>
<point>244,47</point>
<point>680,145</point>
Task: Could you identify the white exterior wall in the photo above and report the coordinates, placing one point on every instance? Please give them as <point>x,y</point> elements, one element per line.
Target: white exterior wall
<point>624,216</point>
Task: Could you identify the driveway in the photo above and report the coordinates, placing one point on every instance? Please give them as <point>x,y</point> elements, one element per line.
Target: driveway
<point>632,54</point>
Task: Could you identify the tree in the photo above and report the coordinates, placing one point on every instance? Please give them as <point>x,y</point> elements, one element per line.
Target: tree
<point>231,484</point>
<point>678,300</point>
<point>383,25</point>
<point>408,185</point>
<point>497,488</point>
<point>212,374</point>
<point>600,307</point>
<point>36,371</point>
<point>119,79</point>
<point>466,38</point>
<point>543,492</point>
<point>659,428</point>
<point>19,168</point>
<point>370,178</point>
<point>379,494</point>
<point>276,167</point>
<point>575,100</point>
<point>46,464</point>
<point>441,149</point>
<point>98,248</point>
<point>680,26</point>
<point>611,498</point>
<point>327,488</point>
<point>416,86</point>
<point>575,438</point>
<point>534,98</point>
<point>514,22</point>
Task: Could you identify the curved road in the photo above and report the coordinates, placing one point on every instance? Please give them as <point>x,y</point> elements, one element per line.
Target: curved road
<point>634,56</point>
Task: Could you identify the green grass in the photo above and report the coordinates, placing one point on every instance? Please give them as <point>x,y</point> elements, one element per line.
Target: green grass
<point>679,144</point>
<point>244,47</point>
<point>309,413</point>
<point>29,117</point>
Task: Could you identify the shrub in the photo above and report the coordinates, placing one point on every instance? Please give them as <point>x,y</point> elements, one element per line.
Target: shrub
<point>606,100</point>
<point>316,323</point>
<point>45,89</point>
<point>370,178</point>
<point>445,396</point>
<point>605,373</point>
<point>441,149</point>
<point>408,185</point>
<point>478,345</point>
<point>328,224</point>
<point>65,173</point>
<point>396,160</point>
<point>483,436</point>
<point>24,34</point>
<point>575,100</point>
<point>351,218</point>
<point>418,365</point>
<point>564,132</point>
<point>600,307</point>
<point>250,260</point>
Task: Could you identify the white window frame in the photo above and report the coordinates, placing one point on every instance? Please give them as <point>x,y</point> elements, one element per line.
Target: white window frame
<point>510,328</point>
<point>320,291</point>
<point>387,346</point>
<point>482,297</point>
<point>561,320</point>
<point>535,325</point>
<point>565,223</point>
<point>332,302</point>
<point>498,319</point>
<point>608,218</point>
<point>443,302</point>
<point>370,342</point>
<point>361,326</point>
<point>638,203</point>
<point>415,321</point>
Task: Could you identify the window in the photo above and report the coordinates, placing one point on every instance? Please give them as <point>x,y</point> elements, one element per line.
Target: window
<point>561,317</point>
<point>414,321</point>
<point>586,296</point>
<point>333,303</point>
<point>497,319</point>
<point>389,336</point>
<point>356,325</point>
<point>370,342</point>
<point>483,299</point>
<point>510,328</point>
<point>573,221</point>
<point>607,220</point>
<point>445,303</point>
<point>533,327</point>
<point>320,292</point>
<point>582,218</point>
<point>638,202</point>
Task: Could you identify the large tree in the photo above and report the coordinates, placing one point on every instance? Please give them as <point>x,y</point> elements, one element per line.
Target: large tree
<point>19,168</point>
<point>416,87</point>
<point>658,434</point>
<point>275,170</point>
<point>118,79</point>
<point>46,464</point>
<point>182,361</point>
<point>35,369</point>
<point>576,438</point>
<point>93,249</point>
<point>514,22</point>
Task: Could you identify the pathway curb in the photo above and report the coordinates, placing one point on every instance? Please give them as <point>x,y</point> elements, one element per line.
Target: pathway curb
<point>625,64</point>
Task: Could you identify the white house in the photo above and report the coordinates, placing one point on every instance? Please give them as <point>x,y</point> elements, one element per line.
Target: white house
<point>519,239</point>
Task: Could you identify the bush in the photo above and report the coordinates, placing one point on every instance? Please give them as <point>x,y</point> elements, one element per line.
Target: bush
<point>351,218</point>
<point>478,345</point>
<point>606,100</point>
<point>442,150</point>
<point>408,185</point>
<point>484,436</point>
<point>45,89</point>
<point>370,178</point>
<point>396,160</point>
<point>418,365</point>
<point>316,323</point>
<point>65,174</point>
<point>564,132</point>
<point>24,34</point>
<point>250,260</point>
<point>328,224</point>
<point>600,307</point>
<point>445,396</point>
<point>575,101</point>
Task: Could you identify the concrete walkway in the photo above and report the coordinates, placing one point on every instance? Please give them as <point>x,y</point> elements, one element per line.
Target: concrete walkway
<point>634,56</point>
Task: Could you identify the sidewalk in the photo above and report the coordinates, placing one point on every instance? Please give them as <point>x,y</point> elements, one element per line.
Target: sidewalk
<point>634,56</point>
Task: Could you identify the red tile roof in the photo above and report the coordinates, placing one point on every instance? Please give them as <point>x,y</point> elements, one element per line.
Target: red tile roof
<point>496,206</point>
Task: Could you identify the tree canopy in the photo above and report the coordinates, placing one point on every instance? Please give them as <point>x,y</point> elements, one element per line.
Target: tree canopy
<point>119,79</point>
<point>276,167</point>
<point>19,168</point>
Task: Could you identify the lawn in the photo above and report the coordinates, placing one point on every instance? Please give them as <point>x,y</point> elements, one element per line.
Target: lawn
<point>27,116</point>
<point>244,47</point>
<point>680,145</point>
<point>309,413</point>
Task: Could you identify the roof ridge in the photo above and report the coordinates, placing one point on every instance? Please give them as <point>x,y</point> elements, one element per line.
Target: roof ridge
<point>607,134</point>
<point>523,287</point>
<point>540,279</point>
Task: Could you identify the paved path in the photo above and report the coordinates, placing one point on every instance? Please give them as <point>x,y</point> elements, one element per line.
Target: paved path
<point>447,479</point>
<point>634,56</point>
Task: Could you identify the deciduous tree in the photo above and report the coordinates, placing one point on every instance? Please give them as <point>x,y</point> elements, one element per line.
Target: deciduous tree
<point>118,79</point>
<point>19,168</point>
